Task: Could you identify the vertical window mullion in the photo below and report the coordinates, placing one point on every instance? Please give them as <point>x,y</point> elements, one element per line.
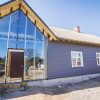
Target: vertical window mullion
<point>34,51</point>
<point>9,29</point>
<point>25,33</point>
<point>42,43</point>
<point>25,45</point>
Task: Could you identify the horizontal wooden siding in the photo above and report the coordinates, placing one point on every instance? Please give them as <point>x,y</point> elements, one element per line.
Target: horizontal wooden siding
<point>59,60</point>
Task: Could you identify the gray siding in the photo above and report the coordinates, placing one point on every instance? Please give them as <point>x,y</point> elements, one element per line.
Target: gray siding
<point>59,60</point>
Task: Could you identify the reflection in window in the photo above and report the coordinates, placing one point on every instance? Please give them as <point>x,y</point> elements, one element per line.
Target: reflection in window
<point>20,44</point>
<point>12,43</point>
<point>39,36</point>
<point>77,59</point>
<point>30,30</point>
<point>29,51</point>
<point>22,23</point>
<point>39,56</point>
<point>13,30</point>
<point>14,25</point>
<point>29,60</point>
<point>33,45</point>
<point>4,26</point>
<point>3,50</point>
<point>98,58</point>
<point>17,31</point>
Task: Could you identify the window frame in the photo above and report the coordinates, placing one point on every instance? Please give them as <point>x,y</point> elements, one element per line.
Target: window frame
<point>97,57</point>
<point>81,57</point>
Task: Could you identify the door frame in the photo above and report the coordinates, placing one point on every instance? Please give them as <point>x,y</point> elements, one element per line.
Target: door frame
<point>13,50</point>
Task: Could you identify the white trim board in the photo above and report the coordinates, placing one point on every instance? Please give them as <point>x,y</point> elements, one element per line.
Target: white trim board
<point>15,50</point>
<point>62,81</point>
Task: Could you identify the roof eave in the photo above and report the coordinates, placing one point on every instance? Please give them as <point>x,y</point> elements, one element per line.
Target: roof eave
<point>77,42</point>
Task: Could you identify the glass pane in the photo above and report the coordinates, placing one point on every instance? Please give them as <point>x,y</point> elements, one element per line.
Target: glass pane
<point>98,61</point>
<point>29,61</point>
<point>98,54</point>
<point>3,50</point>
<point>12,43</point>
<point>30,30</point>
<point>74,61</point>
<point>39,36</point>
<point>14,30</point>
<point>76,54</point>
<point>39,61</point>
<point>17,34</point>
<point>22,23</point>
<point>4,27</point>
<point>20,44</point>
<point>14,24</point>
<point>21,26</point>
<point>78,61</point>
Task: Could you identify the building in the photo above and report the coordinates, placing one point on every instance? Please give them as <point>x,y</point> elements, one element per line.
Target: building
<point>30,50</point>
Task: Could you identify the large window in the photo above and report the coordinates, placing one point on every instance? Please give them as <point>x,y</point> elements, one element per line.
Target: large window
<point>98,58</point>
<point>77,59</point>
<point>18,32</point>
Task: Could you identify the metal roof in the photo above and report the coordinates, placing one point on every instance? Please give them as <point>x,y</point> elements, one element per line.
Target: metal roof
<point>64,34</point>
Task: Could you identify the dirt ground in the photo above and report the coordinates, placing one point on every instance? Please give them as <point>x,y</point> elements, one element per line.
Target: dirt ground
<point>89,90</point>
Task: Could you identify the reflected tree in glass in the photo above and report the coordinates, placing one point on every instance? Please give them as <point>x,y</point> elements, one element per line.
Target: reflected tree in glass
<point>39,55</point>
<point>29,51</point>
<point>4,27</point>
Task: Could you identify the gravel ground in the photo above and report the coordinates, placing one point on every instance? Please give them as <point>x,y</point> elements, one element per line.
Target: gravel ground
<point>89,90</point>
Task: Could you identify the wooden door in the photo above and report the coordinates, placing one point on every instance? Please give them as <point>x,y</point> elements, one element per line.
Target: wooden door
<point>16,63</point>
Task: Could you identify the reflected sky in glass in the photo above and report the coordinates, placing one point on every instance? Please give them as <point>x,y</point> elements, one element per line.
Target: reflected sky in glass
<point>17,34</point>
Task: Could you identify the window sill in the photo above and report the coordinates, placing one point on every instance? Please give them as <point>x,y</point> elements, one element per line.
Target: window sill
<point>77,66</point>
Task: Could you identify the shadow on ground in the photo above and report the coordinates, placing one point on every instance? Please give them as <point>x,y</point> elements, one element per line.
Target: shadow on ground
<point>54,90</point>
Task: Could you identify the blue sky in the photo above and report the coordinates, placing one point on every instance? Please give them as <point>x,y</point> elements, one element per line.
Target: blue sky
<point>69,13</point>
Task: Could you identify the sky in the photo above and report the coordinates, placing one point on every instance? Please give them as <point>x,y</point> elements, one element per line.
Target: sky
<point>69,13</point>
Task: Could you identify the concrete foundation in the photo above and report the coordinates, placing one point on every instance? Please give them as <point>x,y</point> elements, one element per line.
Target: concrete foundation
<point>62,81</point>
